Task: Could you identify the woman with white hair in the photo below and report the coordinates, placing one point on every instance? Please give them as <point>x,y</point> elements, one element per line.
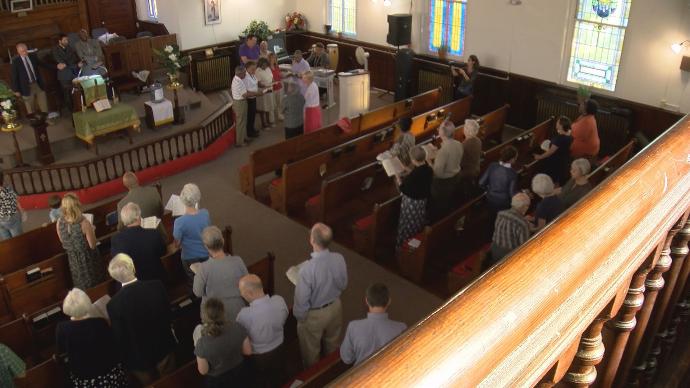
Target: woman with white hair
<point>78,238</point>
<point>264,104</point>
<point>471,157</point>
<point>550,205</point>
<point>188,227</point>
<point>578,186</point>
<point>89,344</point>
<point>446,166</point>
<point>555,158</point>
<point>312,104</point>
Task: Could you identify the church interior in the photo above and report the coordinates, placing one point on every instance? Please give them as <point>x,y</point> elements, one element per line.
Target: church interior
<point>346,193</point>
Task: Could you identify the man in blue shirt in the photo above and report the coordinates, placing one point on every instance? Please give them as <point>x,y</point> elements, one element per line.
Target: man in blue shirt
<point>317,305</point>
<point>366,336</point>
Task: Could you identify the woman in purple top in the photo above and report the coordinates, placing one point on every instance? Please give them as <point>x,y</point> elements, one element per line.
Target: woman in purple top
<point>249,51</point>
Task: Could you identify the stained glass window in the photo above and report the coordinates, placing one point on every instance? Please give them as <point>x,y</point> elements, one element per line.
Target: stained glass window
<point>598,42</point>
<point>342,15</point>
<point>152,9</point>
<point>447,20</point>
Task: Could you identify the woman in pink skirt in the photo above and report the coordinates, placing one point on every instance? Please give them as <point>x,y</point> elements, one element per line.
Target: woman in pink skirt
<point>312,107</point>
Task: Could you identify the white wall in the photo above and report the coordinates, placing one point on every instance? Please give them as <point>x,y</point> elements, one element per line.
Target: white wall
<point>186,18</point>
<point>532,39</point>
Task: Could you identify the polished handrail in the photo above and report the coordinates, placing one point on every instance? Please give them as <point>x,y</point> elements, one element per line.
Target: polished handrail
<point>88,173</point>
<point>513,324</point>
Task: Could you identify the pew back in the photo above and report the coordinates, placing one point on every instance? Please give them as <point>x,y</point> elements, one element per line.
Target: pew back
<point>47,374</point>
<point>524,142</point>
<point>611,164</point>
<point>17,336</point>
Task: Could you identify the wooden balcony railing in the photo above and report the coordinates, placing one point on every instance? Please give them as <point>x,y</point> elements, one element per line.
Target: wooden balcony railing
<point>82,175</point>
<point>599,297</point>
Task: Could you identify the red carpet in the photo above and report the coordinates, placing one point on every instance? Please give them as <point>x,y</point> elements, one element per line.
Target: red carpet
<point>152,174</point>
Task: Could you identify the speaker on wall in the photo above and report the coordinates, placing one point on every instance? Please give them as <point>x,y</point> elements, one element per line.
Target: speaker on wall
<point>403,73</point>
<point>399,29</point>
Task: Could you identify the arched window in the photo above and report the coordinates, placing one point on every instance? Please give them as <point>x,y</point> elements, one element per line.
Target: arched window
<point>152,9</point>
<point>447,20</point>
<point>598,42</point>
<point>342,15</point>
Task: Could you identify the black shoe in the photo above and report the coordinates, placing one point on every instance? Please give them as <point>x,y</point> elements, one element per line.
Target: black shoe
<point>254,135</point>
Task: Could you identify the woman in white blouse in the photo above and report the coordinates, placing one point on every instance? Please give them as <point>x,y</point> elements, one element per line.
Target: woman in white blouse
<point>264,104</point>
<point>312,108</point>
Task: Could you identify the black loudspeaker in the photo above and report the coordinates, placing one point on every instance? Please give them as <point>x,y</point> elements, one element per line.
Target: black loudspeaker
<point>399,29</point>
<point>403,73</point>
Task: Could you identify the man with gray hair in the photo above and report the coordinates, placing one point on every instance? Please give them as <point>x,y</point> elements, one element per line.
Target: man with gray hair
<point>471,156</point>
<point>27,81</point>
<point>147,197</point>
<point>144,246</point>
<point>239,105</point>
<point>141,319</point>
<point>511,229</point>
<point>219,276</point>
<point>446,165</point>
<point>317,305</point>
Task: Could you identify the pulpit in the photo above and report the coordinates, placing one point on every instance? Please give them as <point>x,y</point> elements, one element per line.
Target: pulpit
<point>44,152</point>
<point>354,92</point>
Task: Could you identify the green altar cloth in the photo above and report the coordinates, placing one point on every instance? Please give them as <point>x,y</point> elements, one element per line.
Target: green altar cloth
<point>93,88</point>
<point>90,124</point>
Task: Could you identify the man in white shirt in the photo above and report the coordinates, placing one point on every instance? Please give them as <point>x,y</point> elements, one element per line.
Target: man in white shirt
<point>239,105</point>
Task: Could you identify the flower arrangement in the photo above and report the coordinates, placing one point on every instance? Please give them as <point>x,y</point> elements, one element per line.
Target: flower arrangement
<point>7,99</point>
<point>171,58</point>
<point>259,29</point>
<point>295,21</point>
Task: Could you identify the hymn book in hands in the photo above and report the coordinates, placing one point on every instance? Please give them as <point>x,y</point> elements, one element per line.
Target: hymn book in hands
<point>175,205</point>
<point>150,222</point>
<point>293,273</point>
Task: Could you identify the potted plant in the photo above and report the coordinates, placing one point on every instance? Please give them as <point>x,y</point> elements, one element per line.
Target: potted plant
<point>172,60</point>
<point>257,28</point>
<point>443,52</point>
<point>583,93</point>
<point>8,108</point>
<point>295,21</point>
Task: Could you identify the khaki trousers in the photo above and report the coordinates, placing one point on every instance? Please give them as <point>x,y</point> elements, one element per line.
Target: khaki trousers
<point>321,324</point>
<point>163,367</point>
<point>277,105</point>
<point>240,108</point>
<point>37,94</point>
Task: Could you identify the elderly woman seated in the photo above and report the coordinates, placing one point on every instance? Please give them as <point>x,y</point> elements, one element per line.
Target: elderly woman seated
<point>90,345</point>
<point>188,227</point>
<point>512,230</point>
<point>550,205</point>
<point>578,185</point>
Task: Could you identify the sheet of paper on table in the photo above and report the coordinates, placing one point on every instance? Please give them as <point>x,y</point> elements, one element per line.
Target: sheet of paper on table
<point>101,105</point>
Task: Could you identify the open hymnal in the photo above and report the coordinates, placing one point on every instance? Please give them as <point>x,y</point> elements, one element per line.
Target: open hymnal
<point>293,273</point>
<point>175,205</point>
<point>430,150</point>
<point>88,216</point>
<point>393,166</point>
<point>150,222</point>
<point>101,105</point>
<point>98,308</point>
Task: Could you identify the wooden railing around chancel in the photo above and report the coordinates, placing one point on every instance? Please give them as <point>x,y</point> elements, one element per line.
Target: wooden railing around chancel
<point>82,175</point>
<point>599,297</point>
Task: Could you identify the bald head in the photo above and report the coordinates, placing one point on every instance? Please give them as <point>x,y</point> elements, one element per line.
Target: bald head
<point>321,236</point>
<point>130,180</point>
<point>251,288</point>
<point>22,50</point>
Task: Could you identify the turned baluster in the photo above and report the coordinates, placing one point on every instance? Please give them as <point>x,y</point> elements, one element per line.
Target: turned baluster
<point>620,328</point>
<point>637,341</point>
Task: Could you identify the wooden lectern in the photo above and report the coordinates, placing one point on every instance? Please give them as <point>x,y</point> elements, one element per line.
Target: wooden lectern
<point>43,151</point>
<point>354,92</point>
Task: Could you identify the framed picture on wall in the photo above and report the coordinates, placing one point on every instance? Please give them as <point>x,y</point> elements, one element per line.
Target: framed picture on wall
<point>212,11</point>
<point>21,6</point>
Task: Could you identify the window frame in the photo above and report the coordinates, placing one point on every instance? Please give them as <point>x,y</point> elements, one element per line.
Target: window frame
<point>569,53</point>
<point>329,10</point>
<point>152,9</point>
<point>427,35</point>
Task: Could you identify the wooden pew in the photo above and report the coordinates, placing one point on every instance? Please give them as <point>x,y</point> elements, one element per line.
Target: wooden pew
<point>442,241</point>
<point>17,336</point>
<point>350,194</point>
<point>524,142</point>
<point>323,372</point>
<point>374,235</point>
<point>49,373</point>
<point>610,165</point>
<point>302,179</point>
<point>185,376</point>
<point>268,159</point>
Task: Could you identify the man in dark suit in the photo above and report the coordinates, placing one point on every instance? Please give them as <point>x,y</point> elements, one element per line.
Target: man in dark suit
<point>27,82</point>
<point>68,65</point>
<point>140,317</point>
<point>144,246</point>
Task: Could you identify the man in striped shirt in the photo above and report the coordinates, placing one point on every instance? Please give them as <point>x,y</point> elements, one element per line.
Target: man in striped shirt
<point>511,229</point>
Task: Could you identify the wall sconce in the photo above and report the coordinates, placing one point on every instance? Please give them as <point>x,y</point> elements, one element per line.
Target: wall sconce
<point>678,47</point>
